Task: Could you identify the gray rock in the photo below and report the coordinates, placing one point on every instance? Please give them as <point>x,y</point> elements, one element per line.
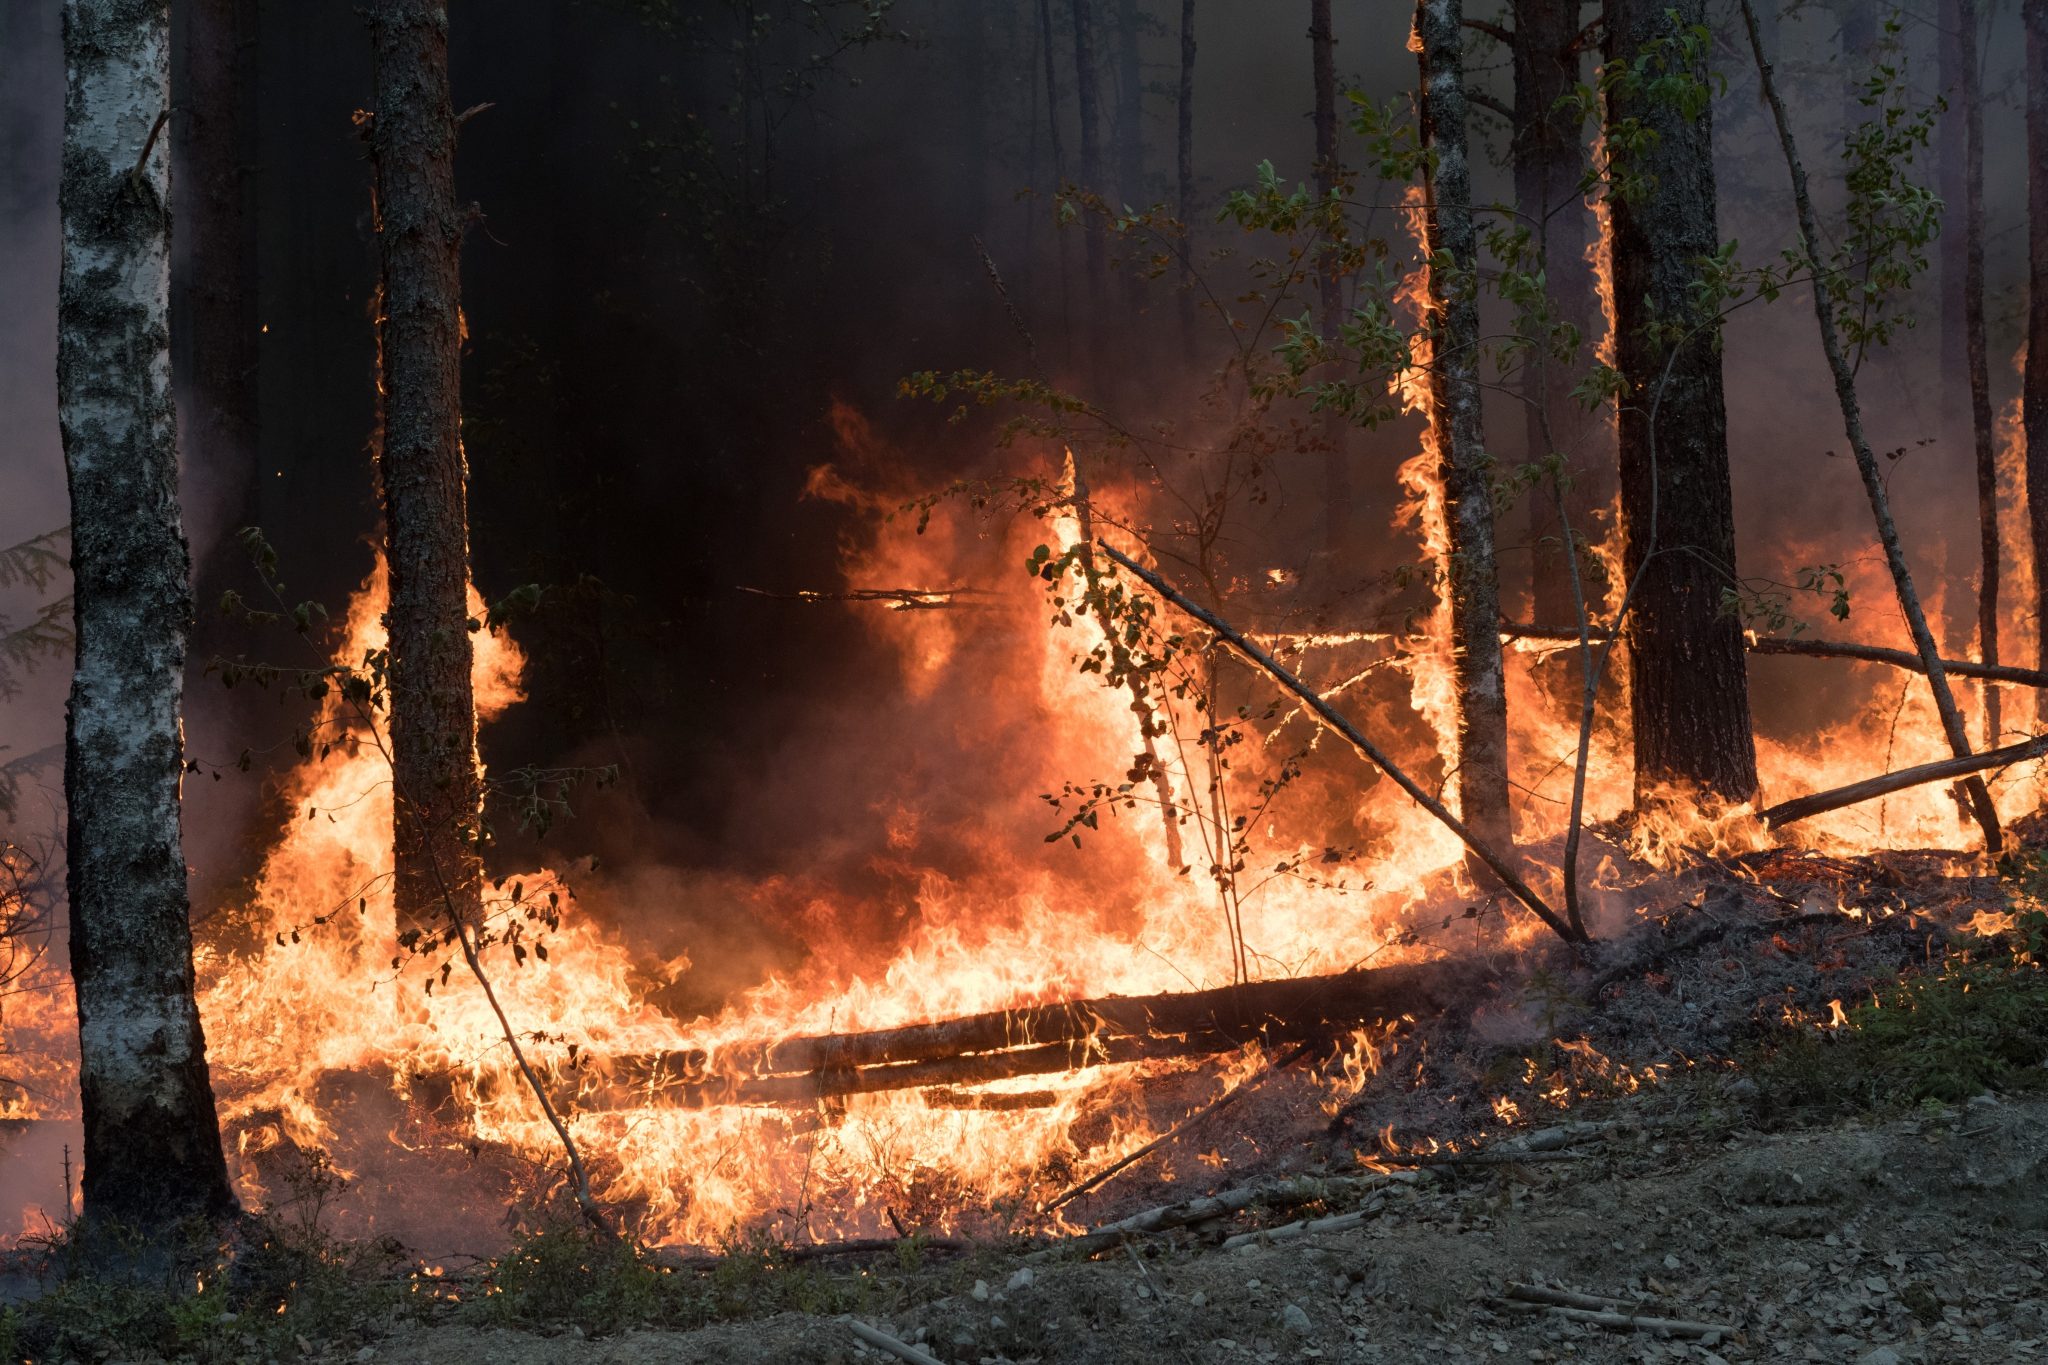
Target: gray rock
<point>1294,1319</point>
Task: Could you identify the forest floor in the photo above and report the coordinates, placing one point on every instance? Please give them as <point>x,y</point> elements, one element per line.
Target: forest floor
<point>1681,1121</point>
<point>1914,1239</point>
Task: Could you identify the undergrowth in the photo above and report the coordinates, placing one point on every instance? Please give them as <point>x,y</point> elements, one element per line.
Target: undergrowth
<point>1975,1023</point>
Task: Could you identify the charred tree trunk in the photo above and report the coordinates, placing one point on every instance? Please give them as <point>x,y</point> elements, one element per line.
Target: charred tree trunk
<point>2034,385</point>
<point>1983,435</point>
<point>1689,687</point>
<point>152,1140</point>
<point>1330,289</point>
<point>1549,159</point>
<point>1470,577</point>
<point>213,298</point>
<point>1184,164</point>
<point>426,513</point>
<point>1866,460</point>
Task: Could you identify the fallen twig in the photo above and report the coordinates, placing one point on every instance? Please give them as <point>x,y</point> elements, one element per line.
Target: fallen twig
<point>1300,1190</point>
<point>1308,1227</point>
<point>1631,1322</point>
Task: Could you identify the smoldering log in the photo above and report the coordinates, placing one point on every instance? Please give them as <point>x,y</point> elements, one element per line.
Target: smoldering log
<point>1819,803</point>
<point>1040,1040</point>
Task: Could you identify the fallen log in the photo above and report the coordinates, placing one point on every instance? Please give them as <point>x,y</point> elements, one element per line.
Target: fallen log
<point>1870,788</point>
<point>1041,1039</point>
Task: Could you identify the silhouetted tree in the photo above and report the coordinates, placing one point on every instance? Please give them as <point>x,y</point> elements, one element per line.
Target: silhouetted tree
<point>1329,282</point>
<point>1689,689</point>
<point>425,478</point>
<point>2034,385</point>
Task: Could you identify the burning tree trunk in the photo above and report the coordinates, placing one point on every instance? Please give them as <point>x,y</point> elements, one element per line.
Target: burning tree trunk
<point>426,513</point>
<point>1470,575</point>
<point>1336,456</point>
<point>1983,435</point>
<point>1184,164</point>
<point>152,1141</point>
<point>1689,688</point>
<point>1866,461</point>
<point>1549,160</point>
<point>2034,389</point>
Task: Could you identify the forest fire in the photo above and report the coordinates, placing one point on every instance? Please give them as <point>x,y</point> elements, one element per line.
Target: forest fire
<point>1430,710</point>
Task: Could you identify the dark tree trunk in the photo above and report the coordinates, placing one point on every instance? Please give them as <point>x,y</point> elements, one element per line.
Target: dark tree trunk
<point>152,1140</point>
<point>1087,104</point>
<point>1059,156</point>
<point>1184,164</point>
<point>1689,688</point>
<point>1337,496</point>
<point>2034,384</point>
<point>1471,577</point>
<point>426,527</point>
<point>214,313</point>
<point>1952,146</point>
<point>1549,160</point>
<point>1983,433</point>
<point>1130,106</point>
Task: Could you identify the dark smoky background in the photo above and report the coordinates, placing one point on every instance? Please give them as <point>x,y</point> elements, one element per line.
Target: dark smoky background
<point>682,265</point>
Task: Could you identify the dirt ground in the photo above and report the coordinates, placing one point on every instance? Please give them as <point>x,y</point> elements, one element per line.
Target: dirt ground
<point>1920,1239</point>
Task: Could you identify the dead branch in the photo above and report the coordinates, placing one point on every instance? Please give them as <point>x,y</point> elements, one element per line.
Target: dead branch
<point>1815,649</point>
<point>1495,863</point>
<point>882,1341</point>
<point>899,599</point>
<point>1307,1227</point>
<point>1208,1208</point>
<point>1870,788</point>
<point>1677,1327</point>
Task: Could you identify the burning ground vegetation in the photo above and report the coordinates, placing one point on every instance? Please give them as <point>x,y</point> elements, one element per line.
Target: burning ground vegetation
<point>1087,1102</point>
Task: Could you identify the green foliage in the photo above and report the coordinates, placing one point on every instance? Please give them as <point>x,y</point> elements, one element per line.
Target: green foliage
<point>1766,605</point>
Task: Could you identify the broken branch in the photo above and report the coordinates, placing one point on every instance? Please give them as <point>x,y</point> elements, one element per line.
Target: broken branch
<point>1819,803</point>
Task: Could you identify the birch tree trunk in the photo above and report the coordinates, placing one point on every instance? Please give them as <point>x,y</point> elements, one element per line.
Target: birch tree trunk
<point>1330,289</point>
<point>426,513</point>
<point>1549,159</point>
<point>152,1140</point>
<point>1471,578</point>
<point>2034,384</point>
<point>1689,684</point>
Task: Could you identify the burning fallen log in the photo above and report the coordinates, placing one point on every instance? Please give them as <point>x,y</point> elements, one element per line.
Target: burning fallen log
<point>1870,788</point>
<point>1043,1039</point>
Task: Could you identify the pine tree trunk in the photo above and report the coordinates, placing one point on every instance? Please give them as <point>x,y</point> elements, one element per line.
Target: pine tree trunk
<point>214,322</point>
<point>1549,160</point>
<point>152,1140</point>
<point>2034,384</point>
<point>1983,432</point>
<point>1462,461</point>
<point>1337,495</point>
<point>1184,164</point>
<point>426,527</point>
<point>1689,687</point>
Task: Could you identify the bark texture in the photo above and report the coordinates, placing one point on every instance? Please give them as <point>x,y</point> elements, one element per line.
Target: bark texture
<point>2034,384</point>
<point>1330,289</point>
<point>1471,576</point>
<point>1549,159</point>
<point>152,1140</point>
<point>420,459</point>
<point>1689,687</point>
